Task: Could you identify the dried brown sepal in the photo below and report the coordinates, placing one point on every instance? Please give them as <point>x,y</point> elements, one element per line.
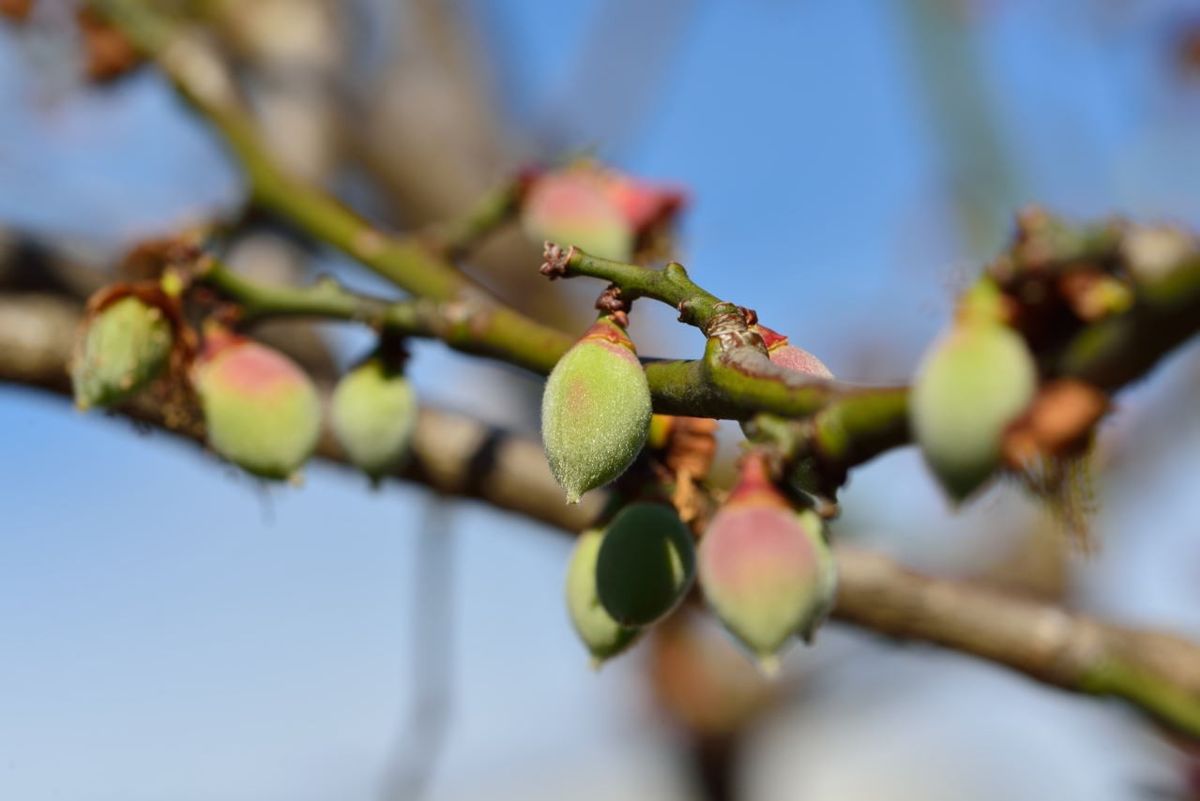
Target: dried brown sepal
<point>614,304</point>
<point>16,10</point>
<point>108,54</point>
<point>1093,296</point>
<point>150,258</point>
<point>1058,423</point>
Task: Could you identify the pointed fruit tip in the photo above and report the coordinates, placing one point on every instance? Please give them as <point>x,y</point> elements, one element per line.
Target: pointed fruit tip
<point>769,665</point>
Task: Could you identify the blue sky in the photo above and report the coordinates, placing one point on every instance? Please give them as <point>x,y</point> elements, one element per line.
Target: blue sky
<point>171,631</point>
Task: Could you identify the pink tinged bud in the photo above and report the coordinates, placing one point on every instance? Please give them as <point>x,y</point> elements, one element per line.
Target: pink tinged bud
<point>595,410</point>
<point>787,355</point>
<point>571,207</point>
<point>765,568</point>
<point>261,410</point>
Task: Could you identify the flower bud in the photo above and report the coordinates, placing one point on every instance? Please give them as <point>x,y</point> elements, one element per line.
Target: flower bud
<point>125,345</point>
<point>374,413</point>
<point>765,568</point>
<point>787,355</point>
<point>595,410</point>
<point>972,383</point>
<point>570,206</point>
<point>645,565</point>
<point>605,213</point>
<point>603,636</point>
<point>261,410</point>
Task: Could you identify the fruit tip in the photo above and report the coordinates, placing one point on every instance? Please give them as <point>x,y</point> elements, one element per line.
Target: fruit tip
<point>769,665</point>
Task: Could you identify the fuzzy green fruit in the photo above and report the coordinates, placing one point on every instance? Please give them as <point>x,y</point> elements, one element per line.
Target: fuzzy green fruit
<point>261,411</point>
<point>374,413</point>
<point>124,347</point>
<point>765,568</point>
<point>595,410</point>
<point>646,563</point>
<point>972,383</point>
<point>603,636</point>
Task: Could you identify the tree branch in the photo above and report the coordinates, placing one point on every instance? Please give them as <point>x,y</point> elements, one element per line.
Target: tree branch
<point>1155,672</point>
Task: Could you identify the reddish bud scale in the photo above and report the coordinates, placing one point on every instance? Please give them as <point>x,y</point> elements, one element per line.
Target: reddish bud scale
<point>764,567</point>
<point>787,355</point>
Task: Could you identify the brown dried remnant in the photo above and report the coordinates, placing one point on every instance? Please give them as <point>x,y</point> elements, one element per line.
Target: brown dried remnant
<point>1058,423</point>
<point>108,54</point>
<point>16,10</point>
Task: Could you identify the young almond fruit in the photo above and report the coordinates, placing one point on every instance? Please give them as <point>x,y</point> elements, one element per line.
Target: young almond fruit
<point>373,413</point>
<point>261,410</point>
<point>765,567</point>
<point>595,410</point>
<point>785,354</point>
<point>603,636</point>
<point>971,384</point>
<point>124,346</point>
<point>646,564</point>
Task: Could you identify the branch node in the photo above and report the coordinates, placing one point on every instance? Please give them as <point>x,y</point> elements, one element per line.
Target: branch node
<point>614,304</point>
<point>555,259</point>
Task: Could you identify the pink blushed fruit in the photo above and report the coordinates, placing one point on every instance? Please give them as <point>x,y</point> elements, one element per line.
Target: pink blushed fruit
<point>765,567</point>
<point>261,410</point>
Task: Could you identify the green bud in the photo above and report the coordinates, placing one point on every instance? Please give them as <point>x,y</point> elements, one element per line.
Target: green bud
<point>124,346</point>
<point>603,636</point>
<point>646,563</point>
<point>595,410</point>
<point>972,383</point>
<point>765,567</point>
<point>261,411</point>
<point>374,413</point>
